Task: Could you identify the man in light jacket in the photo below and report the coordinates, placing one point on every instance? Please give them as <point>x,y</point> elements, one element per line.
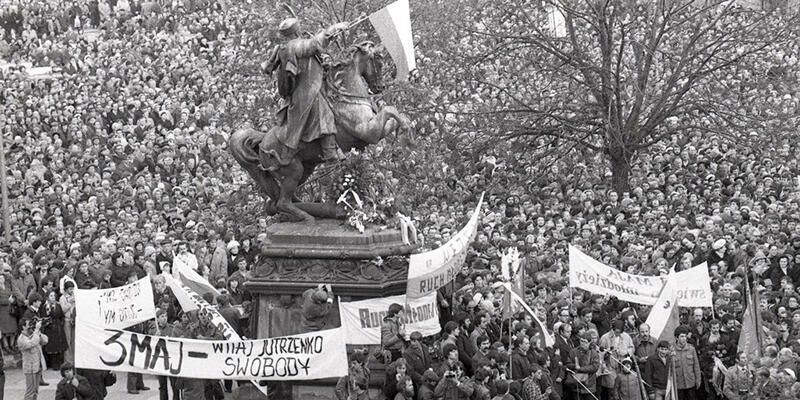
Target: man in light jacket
<point>739,380</point>
<point>687,365</point>
<point>615,346</point>
<point>30,344</point>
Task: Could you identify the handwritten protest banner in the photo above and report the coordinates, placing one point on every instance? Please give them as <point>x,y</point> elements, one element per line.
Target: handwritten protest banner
<point>362,320</point>
<point>431,270</point>
<point>693,286</point>
<point>315,355</point>
<point>118,307</point>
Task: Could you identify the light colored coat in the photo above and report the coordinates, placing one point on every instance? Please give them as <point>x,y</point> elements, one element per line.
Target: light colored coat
<point>687,367</point>
<point>218,267</point>
<point>737,380</point>
<point>31,348</point>
<point>623,347</point>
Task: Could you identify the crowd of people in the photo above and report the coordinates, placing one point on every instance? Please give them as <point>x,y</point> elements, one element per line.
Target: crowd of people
<point>117,165</point>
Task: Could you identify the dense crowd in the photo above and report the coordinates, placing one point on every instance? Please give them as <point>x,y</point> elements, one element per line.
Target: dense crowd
<point>118,164</point>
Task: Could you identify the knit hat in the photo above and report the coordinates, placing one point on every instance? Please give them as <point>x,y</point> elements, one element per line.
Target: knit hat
<point>430,375</point>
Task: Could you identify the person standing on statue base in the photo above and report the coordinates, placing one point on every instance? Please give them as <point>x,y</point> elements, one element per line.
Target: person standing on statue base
<point>317,303</point>
<point>393,333</point>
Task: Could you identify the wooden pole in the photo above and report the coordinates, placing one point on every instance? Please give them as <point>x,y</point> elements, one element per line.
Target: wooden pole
<point>4,187</point>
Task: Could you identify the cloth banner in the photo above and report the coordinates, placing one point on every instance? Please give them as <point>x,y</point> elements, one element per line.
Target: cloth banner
<point>118,307</point>
<point>180,292</point>
<point>429,271</point>
<point>315,355</point>
<point>190,301</point>
<point>393,25</point>
<point>693,286</point>
<point>362,320</point>
<point>183,270</point>
<point>664,317</point>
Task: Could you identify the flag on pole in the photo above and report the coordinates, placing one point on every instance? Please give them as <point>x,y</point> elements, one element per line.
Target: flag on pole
<point>189,277</point>
<point>750,336</point>
<point>181,295</point>
<point>664,318</point>
<point>510,267</point>
<point>556,22</point>
<point>393,24</point>
<point>549,340</point>
<point>749,339</point>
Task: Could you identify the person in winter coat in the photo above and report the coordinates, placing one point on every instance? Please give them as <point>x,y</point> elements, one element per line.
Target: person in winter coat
<point>219,258</point>
<point>739,381</point>
<point>353,386</point>
<point>687,365</point>
<point>586,361</point>
<point>426,390</point>
<point>405,389</point>
<point>317,304</point>
<point>393,332</point>
<point>53,327</point>
<point>656,370</point>
<point>628,385</point>
<point>396,372</point>
<point>417,358</point>
<point>73,386</point>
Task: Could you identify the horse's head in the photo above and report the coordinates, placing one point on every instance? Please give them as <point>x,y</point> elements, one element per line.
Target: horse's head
<point>367,60</point>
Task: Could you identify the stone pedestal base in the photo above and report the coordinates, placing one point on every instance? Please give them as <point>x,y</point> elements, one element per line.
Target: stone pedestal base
<point>299,256</point>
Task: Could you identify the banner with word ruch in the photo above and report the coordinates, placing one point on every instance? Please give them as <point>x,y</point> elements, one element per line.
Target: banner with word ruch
<point>362,319</point>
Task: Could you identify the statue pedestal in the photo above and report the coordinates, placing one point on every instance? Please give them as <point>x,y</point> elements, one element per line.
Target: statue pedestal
<point>298,256</point>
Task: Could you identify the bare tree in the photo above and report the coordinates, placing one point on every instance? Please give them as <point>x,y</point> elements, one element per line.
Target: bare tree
<point>620,77</point>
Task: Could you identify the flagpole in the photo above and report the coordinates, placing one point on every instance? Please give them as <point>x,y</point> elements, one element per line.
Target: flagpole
<point>751,306</point>
<point>639,372</point>
<point>589,392</point>
<point>510,341</point>
<point>4,188</point>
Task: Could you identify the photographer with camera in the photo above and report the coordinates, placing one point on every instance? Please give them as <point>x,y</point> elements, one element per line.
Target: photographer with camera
<point>30,344</point>
<point>453,385</point>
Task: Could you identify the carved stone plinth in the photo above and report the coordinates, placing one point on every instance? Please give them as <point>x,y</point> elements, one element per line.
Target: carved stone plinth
<point>299,256</point>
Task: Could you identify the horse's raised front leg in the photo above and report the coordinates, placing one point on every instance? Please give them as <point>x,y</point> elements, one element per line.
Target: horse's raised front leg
<point>289,178</point>
<point>383,123</point>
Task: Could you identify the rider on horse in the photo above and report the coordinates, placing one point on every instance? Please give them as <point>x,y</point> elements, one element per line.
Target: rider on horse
<point>305,114</point>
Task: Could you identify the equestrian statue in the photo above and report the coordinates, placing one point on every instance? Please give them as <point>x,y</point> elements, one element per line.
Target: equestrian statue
<point>326,110</point>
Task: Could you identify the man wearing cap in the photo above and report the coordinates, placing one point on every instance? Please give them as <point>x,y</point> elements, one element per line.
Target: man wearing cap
<point>718,253</point>
<point>306,114</point>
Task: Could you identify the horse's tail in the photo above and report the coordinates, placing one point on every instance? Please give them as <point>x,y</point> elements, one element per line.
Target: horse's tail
<point>243,145</point>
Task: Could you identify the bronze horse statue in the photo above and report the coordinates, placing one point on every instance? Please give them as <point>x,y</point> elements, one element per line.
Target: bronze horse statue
<point>347,86</point>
